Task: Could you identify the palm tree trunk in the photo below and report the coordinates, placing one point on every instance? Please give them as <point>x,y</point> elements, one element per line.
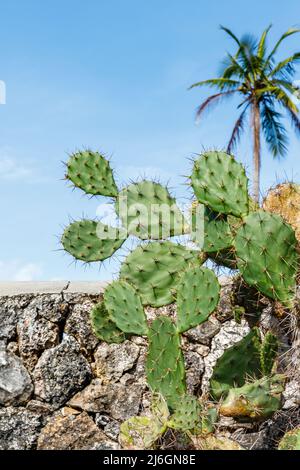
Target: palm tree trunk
<point>256,150</point>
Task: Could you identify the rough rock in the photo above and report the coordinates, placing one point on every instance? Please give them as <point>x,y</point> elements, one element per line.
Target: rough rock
<point>205,332</point>
<point>225,306</point>
<point>120,400</point>
<point>194,369</point>
<point>73,432</point>
<point>112,360</point>
<point>94,398</point>
<point>251,440</point>
<point>128,398</point>
<point>112,430</point>
<point>40,407</point>
<point>49,306</point>
<point>78,325</point>
<point>15,382</point>
<point>10,311</point>
<point>19,428</point>
<point>291,394</point>
<point>60,372</point>
<point>13,347</point>
<point>35,334</point>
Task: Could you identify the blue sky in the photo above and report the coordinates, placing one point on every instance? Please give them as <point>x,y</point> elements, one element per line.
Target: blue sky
<point>111,75</point>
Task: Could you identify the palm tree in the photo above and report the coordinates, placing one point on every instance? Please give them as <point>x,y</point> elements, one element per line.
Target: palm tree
<point>266,88</point>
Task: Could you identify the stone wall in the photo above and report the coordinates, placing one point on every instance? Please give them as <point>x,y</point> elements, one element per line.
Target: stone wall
<point>60,388</point>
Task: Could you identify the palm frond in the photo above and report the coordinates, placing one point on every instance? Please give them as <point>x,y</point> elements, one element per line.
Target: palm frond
<point>230,33</point>
<point>288,33</point>
<point>237,131</point>
<point>212,100</point>
<point>294,120</point>
<point>286,67</point>
<point>274,132</point>
<point>261,48</point>
<point>221,83</point>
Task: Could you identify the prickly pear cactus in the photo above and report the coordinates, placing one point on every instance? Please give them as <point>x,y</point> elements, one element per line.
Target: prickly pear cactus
<point>267,257</point>
<point>89,240</point>
<point>237,362</point>
<point>141,432</point>
<point>197,297</point>
<point>268,353</point>
<point>220,183</point>
<point>215,234</point>
<point>255,400</point>
<point>125,308</point>
<point>91,172</point>
<point>154,270</point>
<point>148,211</point>
<point>165,366</point>
<point>103,326</point>
<point>290,441</point>
<point>187,415</point>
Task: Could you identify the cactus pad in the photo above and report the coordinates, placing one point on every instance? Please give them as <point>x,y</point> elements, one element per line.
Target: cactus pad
<point>148,211</point>
<point>187,415</point>
<point>268,353</point>
<point>215,233</point>
<point>88,240</point>
<point>236,363</point>
<point>267,257</point>
<point>221,183</point>
<point>165,365</point>
<point>91,172</point>
<point>291,440</point>
<point>257,400</point>
<point>141,432</point>
<point>103,327</point>
<point>154,270</point>
<point>125,308</point>
<point>197,297</point>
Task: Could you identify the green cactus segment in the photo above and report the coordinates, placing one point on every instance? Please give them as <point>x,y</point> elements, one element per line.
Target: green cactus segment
<point>236,363</point>
<point>290,441</point>
<point>257,400</point>
<point>208,420</point>
<point>92,173</point>
<point>148,211</point>
<point>159,408</point>
<point>165,365</point>
<point>88,240</point>
<point>267,257</point>
<point>141,432</point>
<point>214,234</point>
<point>125,308</point>
<point>154,270</point>
<point>103,327</point>
<point>221,183</point>
<point>197,297</point>
<point>187,415</point>
<point>268,353</point>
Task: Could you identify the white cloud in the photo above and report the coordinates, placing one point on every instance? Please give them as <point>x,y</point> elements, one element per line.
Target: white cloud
<point>10,169</point>
<point>16,270</point>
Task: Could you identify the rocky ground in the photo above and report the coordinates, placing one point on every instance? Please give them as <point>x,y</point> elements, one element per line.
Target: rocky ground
<point>60,388</point>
